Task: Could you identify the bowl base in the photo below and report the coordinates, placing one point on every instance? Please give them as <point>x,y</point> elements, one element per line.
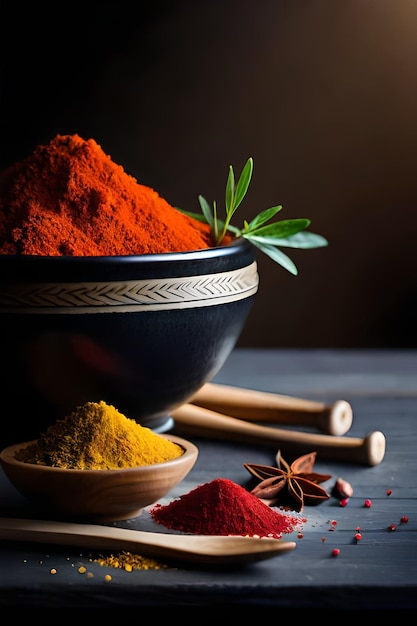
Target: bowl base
<point>91,518</point>
<point>161,425</point>
<point>104,519</point>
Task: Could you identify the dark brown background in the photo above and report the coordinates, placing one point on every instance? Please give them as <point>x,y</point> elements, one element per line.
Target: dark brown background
<point>321,93</point>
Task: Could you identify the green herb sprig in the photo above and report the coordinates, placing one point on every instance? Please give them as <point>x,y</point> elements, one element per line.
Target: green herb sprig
<point>267,237</point>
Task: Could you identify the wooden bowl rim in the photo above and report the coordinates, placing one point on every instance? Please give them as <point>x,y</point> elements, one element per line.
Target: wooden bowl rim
<point>190,454</point>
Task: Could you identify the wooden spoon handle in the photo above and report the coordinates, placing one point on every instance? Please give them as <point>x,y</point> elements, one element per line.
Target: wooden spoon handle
<point>263,406</point>
<point>203,422</point>
<point>213,549</point>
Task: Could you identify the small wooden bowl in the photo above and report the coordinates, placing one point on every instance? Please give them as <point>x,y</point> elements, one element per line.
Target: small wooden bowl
<point>97,495</point>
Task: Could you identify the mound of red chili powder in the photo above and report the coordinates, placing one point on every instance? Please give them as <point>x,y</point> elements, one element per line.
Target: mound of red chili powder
<point>222,507</point>
<point>68,198</point>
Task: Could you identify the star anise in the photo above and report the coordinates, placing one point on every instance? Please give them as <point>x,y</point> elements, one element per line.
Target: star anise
<point>301,483</point>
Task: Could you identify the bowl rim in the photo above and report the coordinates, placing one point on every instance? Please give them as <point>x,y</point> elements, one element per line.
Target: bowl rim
<point>228,249</point>
<point>190,452</point>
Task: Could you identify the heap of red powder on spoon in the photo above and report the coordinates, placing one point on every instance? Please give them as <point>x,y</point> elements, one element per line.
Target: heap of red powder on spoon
<point>222,507</point>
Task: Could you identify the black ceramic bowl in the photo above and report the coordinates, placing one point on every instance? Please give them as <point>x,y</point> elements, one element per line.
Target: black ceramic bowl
<point>142,333</point>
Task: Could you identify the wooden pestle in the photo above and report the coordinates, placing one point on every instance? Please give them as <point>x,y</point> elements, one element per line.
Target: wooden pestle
<point>196,420</point>
<point>263,406</point>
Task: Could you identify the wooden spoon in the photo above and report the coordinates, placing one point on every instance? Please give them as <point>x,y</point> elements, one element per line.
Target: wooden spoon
<point>211,549</point>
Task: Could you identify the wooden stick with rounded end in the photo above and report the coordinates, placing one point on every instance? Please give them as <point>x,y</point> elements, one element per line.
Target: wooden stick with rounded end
<point>264,406</point>
<point>199,421</point>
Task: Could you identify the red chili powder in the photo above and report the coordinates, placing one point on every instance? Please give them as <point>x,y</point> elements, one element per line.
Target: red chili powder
<point>68,198</point>
<point>222,507</point>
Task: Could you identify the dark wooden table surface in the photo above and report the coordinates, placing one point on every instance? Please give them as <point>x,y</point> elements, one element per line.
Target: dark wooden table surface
<point>379,572</point>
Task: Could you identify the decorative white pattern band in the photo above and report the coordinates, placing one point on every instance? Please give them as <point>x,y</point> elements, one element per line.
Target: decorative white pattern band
<point>131,295</point>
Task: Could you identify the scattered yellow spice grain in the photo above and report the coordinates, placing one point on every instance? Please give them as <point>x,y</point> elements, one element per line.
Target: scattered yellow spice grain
<point>129,561</point>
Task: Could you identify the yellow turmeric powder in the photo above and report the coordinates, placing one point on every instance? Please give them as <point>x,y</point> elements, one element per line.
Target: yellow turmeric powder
<point>97,436</point>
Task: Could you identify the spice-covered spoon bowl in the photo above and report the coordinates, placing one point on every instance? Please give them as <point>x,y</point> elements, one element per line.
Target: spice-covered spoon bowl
<point>101,495</point>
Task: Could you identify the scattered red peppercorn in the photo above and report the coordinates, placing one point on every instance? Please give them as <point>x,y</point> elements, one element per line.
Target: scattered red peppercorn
<point>367,504</point>
<point>404,519</point>
<point>333,522</point>
<point>343,502</point>
<point>300,535</point>
<point>392,527</point>
<point>389,492</point>
<point>358,529</point>
<point>358,536</point>
<point>335,552</point>
<point>323,539</point>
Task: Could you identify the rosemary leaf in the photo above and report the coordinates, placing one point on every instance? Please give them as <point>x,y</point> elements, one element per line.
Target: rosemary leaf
<point>262,217</point>
<point>266,237</point>
<point>278,256</point>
